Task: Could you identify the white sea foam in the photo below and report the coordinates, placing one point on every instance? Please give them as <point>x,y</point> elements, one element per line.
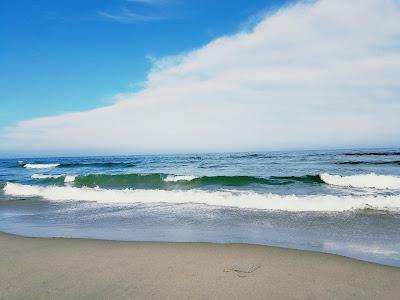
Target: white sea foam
<point>44,176</point>
<point>359,248</point>
<point>68,178</point>
<point>40,166</point>
<point>371,180</point>
<point>179,177</point>
<point>219,198</point>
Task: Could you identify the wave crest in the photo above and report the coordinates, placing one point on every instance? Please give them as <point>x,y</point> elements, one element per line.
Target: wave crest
<point>40,166</point>
<point>65,178</point>
<point>371,180</point>
<point>174,178</point>
<point>167,181</point>
<point>250,200</point>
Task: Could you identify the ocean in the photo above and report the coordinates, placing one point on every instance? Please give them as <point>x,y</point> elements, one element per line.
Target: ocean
<point>345,202</point>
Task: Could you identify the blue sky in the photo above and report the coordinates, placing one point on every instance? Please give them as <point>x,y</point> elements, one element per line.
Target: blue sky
<point>65,56</point>
<point>168,76</point>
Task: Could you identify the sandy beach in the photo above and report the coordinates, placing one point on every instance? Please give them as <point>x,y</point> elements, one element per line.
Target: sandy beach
<point>40,268</point>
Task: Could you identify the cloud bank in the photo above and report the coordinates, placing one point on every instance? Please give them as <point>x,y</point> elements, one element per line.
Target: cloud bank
<point>312,75</point>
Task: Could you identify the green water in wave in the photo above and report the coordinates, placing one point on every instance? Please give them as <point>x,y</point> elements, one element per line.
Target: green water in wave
<point>165,181</point>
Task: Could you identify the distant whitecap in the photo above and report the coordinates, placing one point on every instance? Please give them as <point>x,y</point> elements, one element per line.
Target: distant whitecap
<point>40,166</point>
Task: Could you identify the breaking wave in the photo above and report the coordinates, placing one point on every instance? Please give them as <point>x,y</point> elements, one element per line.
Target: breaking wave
<point>40,166</point>
<point>82,164</point>
<point>175,178</point>
<point>371,180</point>
<point>65,178</point>
<point>248,200</point>
<point>167,181</point>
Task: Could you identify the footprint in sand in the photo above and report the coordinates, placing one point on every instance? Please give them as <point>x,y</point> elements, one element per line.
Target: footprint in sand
<point>242,271</point>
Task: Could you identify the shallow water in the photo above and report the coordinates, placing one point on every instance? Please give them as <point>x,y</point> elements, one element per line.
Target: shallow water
<point>289,199</point>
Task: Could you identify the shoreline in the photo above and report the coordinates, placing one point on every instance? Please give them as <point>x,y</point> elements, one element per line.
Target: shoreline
<point>85,268</point>
<point>194,243</point>
<point>380,263</point>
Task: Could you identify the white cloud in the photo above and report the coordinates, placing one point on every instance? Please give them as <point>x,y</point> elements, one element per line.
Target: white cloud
<point>127,16</point>
<point>324,74</point>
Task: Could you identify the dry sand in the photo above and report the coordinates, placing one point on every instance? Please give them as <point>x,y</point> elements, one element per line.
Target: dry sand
<point>54,268</point>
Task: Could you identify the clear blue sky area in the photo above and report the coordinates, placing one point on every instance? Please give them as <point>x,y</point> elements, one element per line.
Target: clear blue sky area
<point>73,55</point>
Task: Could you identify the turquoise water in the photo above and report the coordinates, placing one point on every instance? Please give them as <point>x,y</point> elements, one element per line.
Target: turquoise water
<point>344,201</point>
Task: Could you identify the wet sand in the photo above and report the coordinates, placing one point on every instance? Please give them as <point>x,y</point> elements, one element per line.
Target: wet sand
<point>57,268</point>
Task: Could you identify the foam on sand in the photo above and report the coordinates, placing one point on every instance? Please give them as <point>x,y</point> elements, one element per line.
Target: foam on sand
<point>249,200</point>
<point>371,180</point>
<point>40,166</point>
